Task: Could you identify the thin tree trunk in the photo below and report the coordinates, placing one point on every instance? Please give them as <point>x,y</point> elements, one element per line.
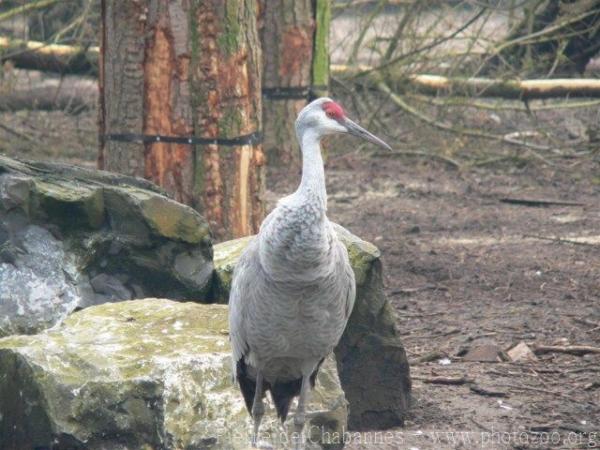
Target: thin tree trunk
<point>295,43</point>
<point>287,29</point>
<point>320,64</point>
<point>122,84</point>
<point>185,69</point>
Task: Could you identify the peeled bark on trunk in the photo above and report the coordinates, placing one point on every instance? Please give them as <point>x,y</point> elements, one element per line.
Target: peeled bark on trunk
<point>226,103</point>
<point>295,43</point>
<point>181,69</point>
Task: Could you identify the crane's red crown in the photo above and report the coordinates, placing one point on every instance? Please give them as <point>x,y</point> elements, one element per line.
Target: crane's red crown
<point>333,110</point>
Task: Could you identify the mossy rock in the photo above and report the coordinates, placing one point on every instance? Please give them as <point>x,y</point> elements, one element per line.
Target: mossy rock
<point>148,373</point>
<point>69,204</point>
<point>371,358</point>
<point>72,237</point>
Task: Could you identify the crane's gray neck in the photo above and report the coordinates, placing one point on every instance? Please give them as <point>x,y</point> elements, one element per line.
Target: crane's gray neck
<point>312,185</point>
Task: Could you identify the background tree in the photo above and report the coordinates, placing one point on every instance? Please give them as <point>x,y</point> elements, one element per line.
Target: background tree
<point>175,70</point>
<point>294,37</point>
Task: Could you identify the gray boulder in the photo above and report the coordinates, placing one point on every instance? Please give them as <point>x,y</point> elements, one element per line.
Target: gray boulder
<point>371,359</point>
<point>72,237</point>
<point>151,374</point>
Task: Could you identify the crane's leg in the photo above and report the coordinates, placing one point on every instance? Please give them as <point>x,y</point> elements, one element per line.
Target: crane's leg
<point>300,416</point>
<point>258,408</point>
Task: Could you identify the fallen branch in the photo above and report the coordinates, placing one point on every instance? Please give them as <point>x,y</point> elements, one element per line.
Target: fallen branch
<point>477,87</point>
<point>483,427</point>
<point>534,389</point>
<point>540,202</point>
<point>577,350</point>
<point>479,390</point>
<point>465,131</point>
<point>455,381</point>
<point>30,6</point>
<point>497,105</point>
<point>557,240</point>
<point>67,94</point>
<point>16,133</point>
<point>427,287</point>
<point>34,55</point>
<point>449,161</point>
<point>428,357</point>
<point>595,325</point>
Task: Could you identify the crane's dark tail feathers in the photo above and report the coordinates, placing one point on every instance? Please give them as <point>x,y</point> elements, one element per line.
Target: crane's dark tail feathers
<point>247,384</point>
<point>282,393</point>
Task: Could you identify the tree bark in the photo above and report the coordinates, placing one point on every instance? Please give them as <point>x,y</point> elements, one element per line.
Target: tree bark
<point>320,64</point>
<point>225,78</point>
<point>294,36</point>
<point>286,31</point>
<point>186,69</point>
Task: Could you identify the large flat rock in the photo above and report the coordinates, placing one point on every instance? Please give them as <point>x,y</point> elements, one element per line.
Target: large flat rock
<point>371,358</point>
<point>73,237</point>
<point>151,374</point>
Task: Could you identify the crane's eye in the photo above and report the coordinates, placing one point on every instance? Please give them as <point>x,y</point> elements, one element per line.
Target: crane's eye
<point>330,114</point>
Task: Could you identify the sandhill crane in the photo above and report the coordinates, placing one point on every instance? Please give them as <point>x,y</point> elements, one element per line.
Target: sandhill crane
<point>293,287</point>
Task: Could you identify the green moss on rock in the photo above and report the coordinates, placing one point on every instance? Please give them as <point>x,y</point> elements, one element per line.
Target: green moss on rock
<point>151,372</point>
<point>70,204</point>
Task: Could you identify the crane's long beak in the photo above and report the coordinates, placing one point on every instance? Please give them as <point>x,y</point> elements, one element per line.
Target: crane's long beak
<point>358,131</point>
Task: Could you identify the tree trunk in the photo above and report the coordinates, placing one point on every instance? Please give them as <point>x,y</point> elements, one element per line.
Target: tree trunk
<point>320,64</point>
<point>225,79</point>
<point>555,37</point>
<point>295,67</point>
<point>178,70</point>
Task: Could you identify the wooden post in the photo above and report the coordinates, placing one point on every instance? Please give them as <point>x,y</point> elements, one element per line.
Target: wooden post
<point>186,69</point>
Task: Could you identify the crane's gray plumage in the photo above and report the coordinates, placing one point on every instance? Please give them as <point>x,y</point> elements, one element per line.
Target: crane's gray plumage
<point>293,288</point>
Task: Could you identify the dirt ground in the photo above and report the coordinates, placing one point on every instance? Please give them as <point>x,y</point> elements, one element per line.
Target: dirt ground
<point>463,268</point>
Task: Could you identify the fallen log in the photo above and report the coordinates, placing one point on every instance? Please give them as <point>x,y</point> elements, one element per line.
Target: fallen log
<point>475,87</point>
<point>577,350</point>
<point>34,55</point>
<point>69,94</point>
